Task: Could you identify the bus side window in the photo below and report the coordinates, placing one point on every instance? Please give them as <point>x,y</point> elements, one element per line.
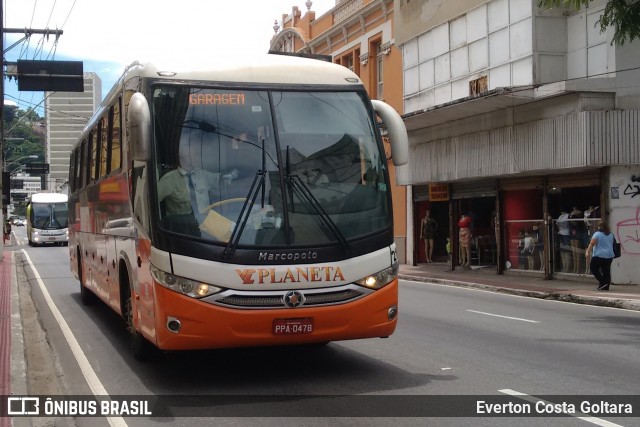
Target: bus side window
<point>115,147</point>
<point>93,156</point>
<point>72,174</point>
<point>104,143</point>
<point>82,166</point>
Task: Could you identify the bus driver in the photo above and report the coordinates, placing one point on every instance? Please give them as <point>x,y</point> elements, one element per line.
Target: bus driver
<point>185,190</point>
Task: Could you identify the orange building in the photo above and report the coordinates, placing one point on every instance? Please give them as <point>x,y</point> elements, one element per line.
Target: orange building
<point>359,35</point>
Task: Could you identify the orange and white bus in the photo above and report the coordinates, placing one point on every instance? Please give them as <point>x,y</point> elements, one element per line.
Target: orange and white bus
<point>242,205</point>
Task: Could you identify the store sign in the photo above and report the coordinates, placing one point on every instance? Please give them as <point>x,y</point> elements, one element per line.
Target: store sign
<point>438,192</point>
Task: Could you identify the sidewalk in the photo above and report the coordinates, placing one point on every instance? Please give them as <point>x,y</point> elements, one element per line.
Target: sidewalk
<point>581,292</point>
<point>5,330</point>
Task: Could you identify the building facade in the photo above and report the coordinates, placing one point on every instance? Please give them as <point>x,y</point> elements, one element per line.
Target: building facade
<point>357,34</point>
<point>527,121</point>
<point>24,185</point>
<point>66,115</point>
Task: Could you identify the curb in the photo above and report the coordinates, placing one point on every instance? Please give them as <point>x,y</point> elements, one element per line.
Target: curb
<point>627,304</point>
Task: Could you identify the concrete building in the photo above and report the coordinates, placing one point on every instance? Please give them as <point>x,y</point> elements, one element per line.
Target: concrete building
<point>66,115</point>
<point>24,185</point>
<point>359,35</point>
<point>526,120</point>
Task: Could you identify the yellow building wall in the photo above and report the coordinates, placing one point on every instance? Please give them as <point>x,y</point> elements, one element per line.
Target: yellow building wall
<point>322,28</point>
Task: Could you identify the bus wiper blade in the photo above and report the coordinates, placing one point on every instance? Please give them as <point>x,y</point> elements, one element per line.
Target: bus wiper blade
<point>245,212</point>
<point>306,194</point>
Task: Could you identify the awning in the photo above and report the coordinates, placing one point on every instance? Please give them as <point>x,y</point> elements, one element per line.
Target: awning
<point>500,99</point>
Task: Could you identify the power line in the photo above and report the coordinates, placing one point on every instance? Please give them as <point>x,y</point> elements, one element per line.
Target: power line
<point>51,14</point>
<point>69,14</point>
<point>33,106</point>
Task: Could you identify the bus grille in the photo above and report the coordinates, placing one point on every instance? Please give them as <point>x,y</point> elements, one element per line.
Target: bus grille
<point>266,300</point>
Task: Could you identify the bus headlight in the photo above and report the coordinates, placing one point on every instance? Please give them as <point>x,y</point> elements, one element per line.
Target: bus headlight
<point>187,287</point>
<point>380,279</point>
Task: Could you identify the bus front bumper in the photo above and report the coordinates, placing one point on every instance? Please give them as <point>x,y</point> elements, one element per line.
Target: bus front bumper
<point>41,239</point>
<point>202,325</point>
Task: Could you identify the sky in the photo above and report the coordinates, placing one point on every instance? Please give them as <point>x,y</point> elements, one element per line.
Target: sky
<point>109,35</point>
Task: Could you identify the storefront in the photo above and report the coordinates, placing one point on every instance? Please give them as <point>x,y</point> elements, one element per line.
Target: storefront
<point>547,222</point>
<point>435,199</point>
<point>536,225</point>
<point>476,200</point>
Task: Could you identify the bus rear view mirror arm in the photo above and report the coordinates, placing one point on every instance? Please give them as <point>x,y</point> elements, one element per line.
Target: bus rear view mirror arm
<point>139,119</point>
<point>397,132</point>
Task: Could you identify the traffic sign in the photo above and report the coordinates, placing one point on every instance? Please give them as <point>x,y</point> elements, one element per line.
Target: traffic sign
<point>37,168</point>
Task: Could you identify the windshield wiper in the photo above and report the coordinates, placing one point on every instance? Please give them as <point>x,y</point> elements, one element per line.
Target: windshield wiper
<point>298,184</point>
<point>241,222</point>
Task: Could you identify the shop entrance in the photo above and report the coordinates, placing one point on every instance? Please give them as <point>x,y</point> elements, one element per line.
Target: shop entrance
<point>482,243</point>
<point>575,213</point>
<point>439,211</point>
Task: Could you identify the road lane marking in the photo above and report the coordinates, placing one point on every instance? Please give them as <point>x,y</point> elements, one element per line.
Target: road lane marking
<point>503,317</point>
<point>578,415</point>
<point>89,374</point>
<point>530,298</point>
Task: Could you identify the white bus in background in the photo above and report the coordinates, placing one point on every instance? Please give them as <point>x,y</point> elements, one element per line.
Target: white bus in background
<point>47,219</point>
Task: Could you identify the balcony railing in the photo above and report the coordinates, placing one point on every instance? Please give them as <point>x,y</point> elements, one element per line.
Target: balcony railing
<point>346,9</point>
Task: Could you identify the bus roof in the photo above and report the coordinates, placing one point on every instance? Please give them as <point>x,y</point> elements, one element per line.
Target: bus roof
<point>265,69</point>
<point>49,198</point>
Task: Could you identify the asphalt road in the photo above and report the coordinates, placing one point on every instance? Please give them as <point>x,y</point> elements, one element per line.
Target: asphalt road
<point>450,341</point>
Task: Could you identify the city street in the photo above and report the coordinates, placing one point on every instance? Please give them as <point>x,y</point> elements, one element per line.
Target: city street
<point>450,341</point>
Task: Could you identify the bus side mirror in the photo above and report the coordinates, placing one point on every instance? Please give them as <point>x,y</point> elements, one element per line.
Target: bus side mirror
<point>139,122</point>
<point>397,132</point>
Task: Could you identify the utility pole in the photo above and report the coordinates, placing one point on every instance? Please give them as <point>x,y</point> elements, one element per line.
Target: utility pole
<point>2,120</point>
<point>27,33</point>
<point>36,76</point>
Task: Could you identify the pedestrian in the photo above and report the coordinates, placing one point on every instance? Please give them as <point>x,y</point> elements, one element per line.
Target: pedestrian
<point>7,231</point>
<point>599,255</point>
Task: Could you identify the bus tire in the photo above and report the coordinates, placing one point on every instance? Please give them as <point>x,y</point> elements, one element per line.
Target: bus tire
<point>142,349</point>
<point>86,296</point>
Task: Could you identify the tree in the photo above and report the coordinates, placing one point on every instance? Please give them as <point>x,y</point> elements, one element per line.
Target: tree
<point>624,15</point>
<point>21,140</point>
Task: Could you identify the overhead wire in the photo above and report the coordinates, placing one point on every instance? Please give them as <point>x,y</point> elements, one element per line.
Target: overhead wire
<point>31,105</point>
<point>51,13</point>
<point>39,50</point>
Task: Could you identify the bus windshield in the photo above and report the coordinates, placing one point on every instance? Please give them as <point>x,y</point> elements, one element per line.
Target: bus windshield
<point>266,167</point>
<point>49,216</point>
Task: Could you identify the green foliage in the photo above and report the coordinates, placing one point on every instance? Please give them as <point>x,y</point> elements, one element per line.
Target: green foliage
<point>623,15</point>
<point>22,138</point>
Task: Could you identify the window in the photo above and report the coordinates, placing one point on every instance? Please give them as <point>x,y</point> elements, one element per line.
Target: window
<point>77,183</point>
<point>347,61</point>
<point>72,162</point>
<point>82,166</point>
<point>116,149</point>
<point>103,144</point>
<point>379,72</point>
<point>93,156</point>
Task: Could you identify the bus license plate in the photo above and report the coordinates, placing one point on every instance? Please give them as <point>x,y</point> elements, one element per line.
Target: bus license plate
<point>293,326</point>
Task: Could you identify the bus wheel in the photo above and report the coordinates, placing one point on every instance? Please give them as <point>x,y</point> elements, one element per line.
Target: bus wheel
<point>86,296</point>
<point>143,350</point>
